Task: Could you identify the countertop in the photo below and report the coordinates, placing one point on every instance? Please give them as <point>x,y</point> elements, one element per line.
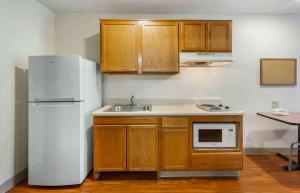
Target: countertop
<point>186,109</point>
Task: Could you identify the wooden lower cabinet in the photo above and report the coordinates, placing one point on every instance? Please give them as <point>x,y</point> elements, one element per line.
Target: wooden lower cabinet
<point>153,143</point>
<point>110,147</point>
<point>125,148</point>
<point>174,152</point>
<point>214,161</point>
<point>142,147</point>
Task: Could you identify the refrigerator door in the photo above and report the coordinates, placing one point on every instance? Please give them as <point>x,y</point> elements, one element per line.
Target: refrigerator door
<point>56,78</point>
<point>55,130</point>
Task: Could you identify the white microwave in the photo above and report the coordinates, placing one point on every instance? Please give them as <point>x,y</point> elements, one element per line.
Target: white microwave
<point>214,135</point>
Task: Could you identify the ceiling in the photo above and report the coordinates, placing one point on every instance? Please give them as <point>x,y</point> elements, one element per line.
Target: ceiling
<point>176,6</point>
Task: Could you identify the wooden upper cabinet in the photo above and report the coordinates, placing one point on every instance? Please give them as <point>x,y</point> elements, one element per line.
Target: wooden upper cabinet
<point>110,147</point>
<point>142,147</point>
<point>193,35</point>
<point>119,46</point>
<point>205,36</point>
<point>219,39</point>
<point>131,46</point>
<point>160,46</point>
<point>139,46</point>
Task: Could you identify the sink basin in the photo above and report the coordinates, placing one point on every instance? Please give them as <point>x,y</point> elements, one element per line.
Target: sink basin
<point>129,108</point>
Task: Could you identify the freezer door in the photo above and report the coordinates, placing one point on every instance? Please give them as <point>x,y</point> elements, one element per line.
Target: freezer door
<point>55,130</point>
<point>54,78</point>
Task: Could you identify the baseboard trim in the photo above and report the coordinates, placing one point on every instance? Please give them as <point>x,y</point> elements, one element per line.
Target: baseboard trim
<point>8,184</point>
<point>250,150</point>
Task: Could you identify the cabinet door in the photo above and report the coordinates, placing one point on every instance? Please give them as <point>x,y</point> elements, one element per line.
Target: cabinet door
<point>193,36</point>
<point>119,46</point>
<point>142,147</point>
<point>110,147</point>
<point>219,39</point>
<point>174,149</point>
<point>160,46</point>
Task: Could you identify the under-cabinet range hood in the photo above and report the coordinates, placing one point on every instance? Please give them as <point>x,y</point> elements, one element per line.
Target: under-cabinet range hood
<point>205,59</point>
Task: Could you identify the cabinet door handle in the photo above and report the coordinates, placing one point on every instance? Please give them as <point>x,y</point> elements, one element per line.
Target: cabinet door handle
<point>139,63</point>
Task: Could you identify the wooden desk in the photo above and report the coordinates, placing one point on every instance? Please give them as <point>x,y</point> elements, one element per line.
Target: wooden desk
<point>292,119</point>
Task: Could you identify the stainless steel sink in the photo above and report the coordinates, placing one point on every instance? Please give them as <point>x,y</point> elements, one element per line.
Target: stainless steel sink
<point>129,108</point>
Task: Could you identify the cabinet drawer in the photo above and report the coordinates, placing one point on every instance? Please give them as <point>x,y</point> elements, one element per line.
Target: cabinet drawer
<point>125,120</point>
<point>217,161</point>
<point>175,122</point>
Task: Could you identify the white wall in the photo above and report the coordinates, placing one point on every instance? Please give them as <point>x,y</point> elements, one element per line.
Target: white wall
<point>26,28</point>
<point>254,37</point>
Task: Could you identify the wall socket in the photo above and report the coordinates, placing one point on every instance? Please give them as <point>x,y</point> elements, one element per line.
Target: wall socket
<point>275,104</point>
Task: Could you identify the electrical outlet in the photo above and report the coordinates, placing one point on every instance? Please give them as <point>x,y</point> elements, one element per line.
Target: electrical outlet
<point>275,104</point>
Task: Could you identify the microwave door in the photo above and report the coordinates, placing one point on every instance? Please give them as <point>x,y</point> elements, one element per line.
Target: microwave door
<point>214,135</point>
<point>210,136</point>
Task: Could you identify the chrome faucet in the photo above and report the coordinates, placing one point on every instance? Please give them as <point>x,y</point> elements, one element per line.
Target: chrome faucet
<point>132,100</point>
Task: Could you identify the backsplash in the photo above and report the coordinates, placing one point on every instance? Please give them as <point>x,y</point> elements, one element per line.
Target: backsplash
<point>163,101</point>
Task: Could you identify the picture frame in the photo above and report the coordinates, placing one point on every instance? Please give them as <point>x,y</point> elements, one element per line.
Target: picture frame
<point>278,71</point>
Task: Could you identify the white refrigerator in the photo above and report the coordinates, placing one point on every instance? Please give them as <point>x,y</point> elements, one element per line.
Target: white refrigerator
<point>63,92</point>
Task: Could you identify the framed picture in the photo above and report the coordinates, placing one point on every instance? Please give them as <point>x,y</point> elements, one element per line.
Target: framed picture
<point>278,71</point>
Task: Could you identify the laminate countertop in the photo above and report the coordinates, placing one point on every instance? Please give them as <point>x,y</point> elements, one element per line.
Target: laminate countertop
<point>190,109</point>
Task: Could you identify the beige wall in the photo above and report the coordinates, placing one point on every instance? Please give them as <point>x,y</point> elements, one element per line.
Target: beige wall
<point>26,28</point>
<point>254,36</point>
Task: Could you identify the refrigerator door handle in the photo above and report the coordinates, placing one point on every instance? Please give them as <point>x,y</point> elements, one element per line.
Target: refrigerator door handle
<point>53,103</point>
<point>54,100</point>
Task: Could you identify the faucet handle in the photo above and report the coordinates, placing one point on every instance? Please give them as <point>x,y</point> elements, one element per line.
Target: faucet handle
<point>132,102</point>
